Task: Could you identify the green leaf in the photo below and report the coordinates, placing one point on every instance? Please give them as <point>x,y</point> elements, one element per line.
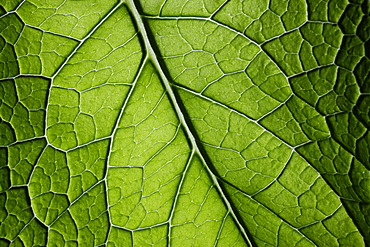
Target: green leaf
<point>184,123</point>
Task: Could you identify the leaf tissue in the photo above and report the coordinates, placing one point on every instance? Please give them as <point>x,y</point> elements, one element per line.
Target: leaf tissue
<point>184,123</point>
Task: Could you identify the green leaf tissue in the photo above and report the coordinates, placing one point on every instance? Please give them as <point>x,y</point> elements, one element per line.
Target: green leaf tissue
<point>185,123</point>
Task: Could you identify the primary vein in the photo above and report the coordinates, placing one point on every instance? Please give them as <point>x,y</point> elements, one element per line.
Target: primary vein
<point>157,65</point>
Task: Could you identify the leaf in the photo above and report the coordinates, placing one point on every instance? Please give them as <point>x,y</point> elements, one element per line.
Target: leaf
<point>184,123</point>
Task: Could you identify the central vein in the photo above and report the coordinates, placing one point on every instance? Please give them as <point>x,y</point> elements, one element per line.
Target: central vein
<point>153,57</point>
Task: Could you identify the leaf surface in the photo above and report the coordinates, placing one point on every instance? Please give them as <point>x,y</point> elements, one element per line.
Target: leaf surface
<point>184,123</point>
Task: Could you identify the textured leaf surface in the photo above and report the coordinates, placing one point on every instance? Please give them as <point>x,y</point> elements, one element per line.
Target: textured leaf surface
<point>184,123</point>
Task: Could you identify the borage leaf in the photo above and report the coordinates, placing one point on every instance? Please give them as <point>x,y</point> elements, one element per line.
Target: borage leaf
<point>184,123</point>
